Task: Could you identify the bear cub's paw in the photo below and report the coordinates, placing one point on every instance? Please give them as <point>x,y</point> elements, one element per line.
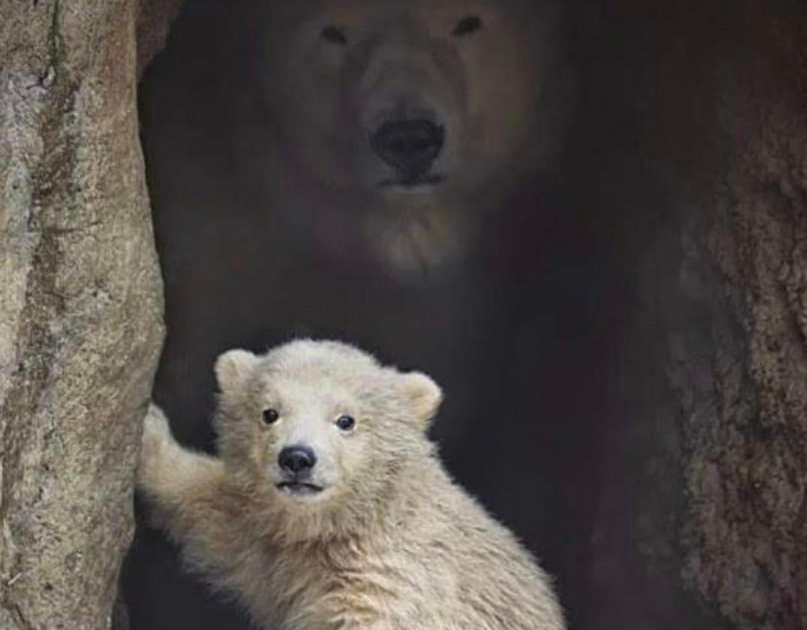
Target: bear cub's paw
<point>155,443</point>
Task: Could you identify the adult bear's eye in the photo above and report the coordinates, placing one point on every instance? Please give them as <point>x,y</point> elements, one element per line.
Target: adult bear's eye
<point>467,25</point>
<point>270,416</point>
<point>334,35</point>
<point>346,423</point>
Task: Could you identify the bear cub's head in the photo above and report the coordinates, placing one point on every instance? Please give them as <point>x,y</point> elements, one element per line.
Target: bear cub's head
<point>320,425</point>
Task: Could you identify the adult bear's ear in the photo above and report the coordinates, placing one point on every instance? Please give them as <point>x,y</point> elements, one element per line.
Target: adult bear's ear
<point>422,395</point>
<point>232,368</point>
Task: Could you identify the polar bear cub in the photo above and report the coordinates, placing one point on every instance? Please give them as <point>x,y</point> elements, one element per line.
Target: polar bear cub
<point>328,506</point>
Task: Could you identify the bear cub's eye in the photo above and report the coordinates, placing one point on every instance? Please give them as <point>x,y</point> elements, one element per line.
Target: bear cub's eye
<point>467,25</point>
<point>345,423</point>
<point>270,416</point>
<point>334,35</point>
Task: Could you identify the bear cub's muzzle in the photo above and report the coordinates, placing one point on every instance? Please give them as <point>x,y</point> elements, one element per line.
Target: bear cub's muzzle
<point>296,464</point>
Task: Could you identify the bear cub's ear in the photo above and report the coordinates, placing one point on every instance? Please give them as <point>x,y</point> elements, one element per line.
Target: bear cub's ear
<point>232,368</point>
<point>423,395</point>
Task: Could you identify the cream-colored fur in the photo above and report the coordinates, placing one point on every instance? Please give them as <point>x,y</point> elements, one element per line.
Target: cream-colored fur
<point>390,543</point>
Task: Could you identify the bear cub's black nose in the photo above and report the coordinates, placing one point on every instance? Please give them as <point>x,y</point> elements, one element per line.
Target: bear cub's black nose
<point>296,460</point>
<point>409,146</point>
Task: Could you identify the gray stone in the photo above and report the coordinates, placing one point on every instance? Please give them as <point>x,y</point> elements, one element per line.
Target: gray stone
<point>80,308</point>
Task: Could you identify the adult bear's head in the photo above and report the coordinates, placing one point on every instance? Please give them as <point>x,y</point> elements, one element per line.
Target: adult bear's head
<point>409,103</point>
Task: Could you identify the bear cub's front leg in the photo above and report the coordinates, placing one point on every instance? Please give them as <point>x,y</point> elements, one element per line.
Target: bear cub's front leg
<point>186,491</point>
<point>169,473</point>
<point>157,445</point>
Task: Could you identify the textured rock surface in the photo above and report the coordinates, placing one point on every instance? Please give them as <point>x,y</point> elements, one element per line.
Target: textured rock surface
<point>80,308</point>
<point>746,434</point>
<point>704,516</point>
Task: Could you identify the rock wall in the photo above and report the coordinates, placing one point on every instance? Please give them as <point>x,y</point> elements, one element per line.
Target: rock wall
<point>745,437</point>
<point>704,517</point>
<point>80,308</point>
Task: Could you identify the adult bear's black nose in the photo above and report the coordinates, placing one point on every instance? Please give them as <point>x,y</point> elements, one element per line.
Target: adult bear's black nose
<point>409,146</point>
<point>296,460</point>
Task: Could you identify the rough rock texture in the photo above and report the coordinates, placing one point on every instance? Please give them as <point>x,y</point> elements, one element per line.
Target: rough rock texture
<point>703,522</point>
<point>80,308</point>
<point>745,436</point>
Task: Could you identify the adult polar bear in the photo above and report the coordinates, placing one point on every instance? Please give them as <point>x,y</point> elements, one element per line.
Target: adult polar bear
<point>324,166</point>
<point>409,109</point>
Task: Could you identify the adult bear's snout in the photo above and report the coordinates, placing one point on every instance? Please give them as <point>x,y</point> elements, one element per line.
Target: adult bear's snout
<point>409,146</point>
